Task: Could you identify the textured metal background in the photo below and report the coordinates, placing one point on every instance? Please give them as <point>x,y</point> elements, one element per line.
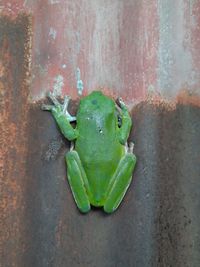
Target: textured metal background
<point>148,53</point>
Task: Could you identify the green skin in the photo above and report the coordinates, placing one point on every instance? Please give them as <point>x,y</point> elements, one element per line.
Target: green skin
<point>100,165</point>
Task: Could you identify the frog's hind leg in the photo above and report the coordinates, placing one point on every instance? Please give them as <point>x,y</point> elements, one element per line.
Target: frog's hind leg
<point>78,181</point>
<point>121,181</point>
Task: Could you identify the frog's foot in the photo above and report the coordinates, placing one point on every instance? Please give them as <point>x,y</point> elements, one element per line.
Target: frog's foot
<point>121,103</point>
<point>131,147</point>
<point>78,181</point>
<point>120,183</point>
<point>118,104</point>
<point>71,146</point>
<point>59,108</point>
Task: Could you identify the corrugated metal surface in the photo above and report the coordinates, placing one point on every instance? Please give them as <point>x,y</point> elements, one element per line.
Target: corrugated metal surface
<point>143,51</point>
<point>132,46</point>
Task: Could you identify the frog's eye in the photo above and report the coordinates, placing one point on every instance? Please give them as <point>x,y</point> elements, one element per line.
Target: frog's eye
<point>119,120</point>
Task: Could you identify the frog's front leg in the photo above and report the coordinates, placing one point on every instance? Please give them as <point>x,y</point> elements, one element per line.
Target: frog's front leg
<point>62,116</point>
<point>78,181</point>
<point>126,122</point>
<point>120,181</point>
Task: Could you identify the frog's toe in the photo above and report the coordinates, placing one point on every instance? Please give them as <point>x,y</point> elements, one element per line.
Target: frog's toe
<point>66,103</point>
<point>85,209</point>
<point>121,102</point>
<point>53,99</point>
<point>109,209</point>
<point>47,107</point>
<point>131,147</point>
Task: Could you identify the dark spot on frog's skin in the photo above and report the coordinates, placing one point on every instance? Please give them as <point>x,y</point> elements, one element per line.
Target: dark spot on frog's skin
<point>119,121</point>
<point>94,101</point>
<point>100,130</point>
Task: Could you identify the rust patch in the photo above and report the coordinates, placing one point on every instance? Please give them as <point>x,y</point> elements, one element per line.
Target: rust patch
<point>187,98</point>
<point>15,42</point>
<point>157,215</point>
<point>167,146</point>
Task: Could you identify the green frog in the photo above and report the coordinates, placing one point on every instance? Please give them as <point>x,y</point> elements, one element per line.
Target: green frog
<point>100,163</point>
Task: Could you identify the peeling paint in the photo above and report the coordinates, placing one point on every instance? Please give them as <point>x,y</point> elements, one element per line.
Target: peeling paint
<point>175,59</point>
<point>52,33</point>
<point>58,85</point>
<point>123,47</point>
<point>79,84</point>
<point>53,2</point>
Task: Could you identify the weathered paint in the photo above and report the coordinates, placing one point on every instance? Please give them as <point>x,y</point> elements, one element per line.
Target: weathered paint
<point>175,58</point>
<point>58,85</point>
<point>195,39</point>
<point>158,223</point>
<point>129,47</point>
<point>159,215</point>
<point>112,42</point>
<point>15,43</point>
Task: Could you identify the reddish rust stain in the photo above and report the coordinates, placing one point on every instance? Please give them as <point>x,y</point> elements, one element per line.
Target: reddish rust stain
<point>187,98</point>
<point>14,74</point>
<point>138,47</point>
<point>2,69</point>
<point>12,8</point>
<point>128,52</point>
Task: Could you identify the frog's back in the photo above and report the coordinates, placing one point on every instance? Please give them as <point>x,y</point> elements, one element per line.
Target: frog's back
<point>97,126</point>
<point>97,144</point>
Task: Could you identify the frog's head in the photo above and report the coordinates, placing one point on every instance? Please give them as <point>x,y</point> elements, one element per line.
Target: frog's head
<point>98,110</point>
<point>97,102</point>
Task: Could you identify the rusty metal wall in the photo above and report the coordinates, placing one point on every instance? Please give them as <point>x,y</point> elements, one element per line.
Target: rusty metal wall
<point>148,53</point>
<point>134,47</point>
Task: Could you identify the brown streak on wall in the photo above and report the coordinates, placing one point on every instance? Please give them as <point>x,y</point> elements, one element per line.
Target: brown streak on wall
<point>158,215</point>
<point>14,75</point>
